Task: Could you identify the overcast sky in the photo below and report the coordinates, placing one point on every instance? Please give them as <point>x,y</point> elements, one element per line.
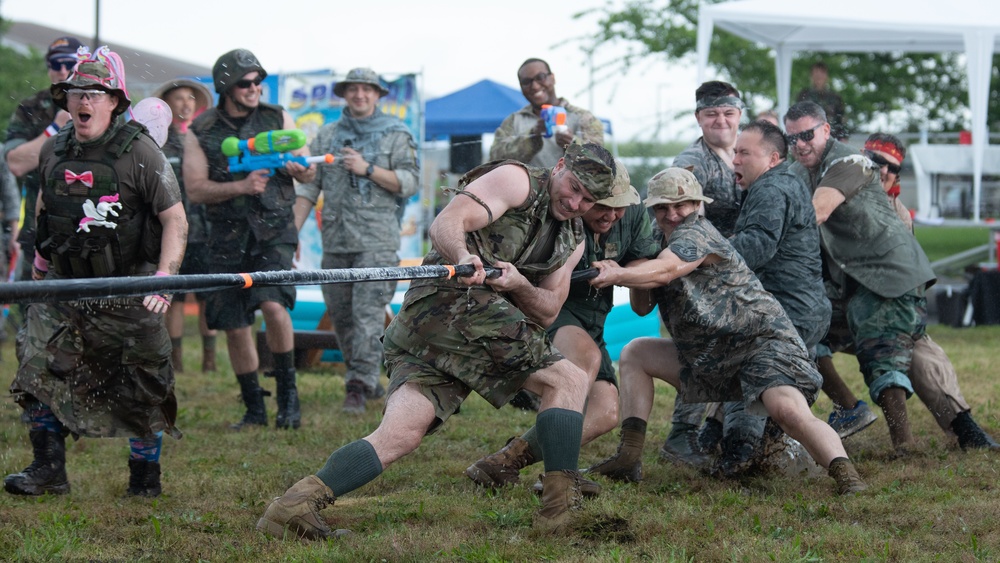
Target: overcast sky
<point>453,43</point>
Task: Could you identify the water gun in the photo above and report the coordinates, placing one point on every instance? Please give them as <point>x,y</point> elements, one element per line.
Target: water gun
<point>272,148</point>
<point>555,119</point>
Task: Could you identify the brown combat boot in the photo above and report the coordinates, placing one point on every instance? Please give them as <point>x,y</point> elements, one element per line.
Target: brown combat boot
<point>626,464</point>
<point>846,476</point>
<point>560,499</point>
<point>297,512</point>
<point>588,488</point>
<point>893,403</point>
<point>503,467</point>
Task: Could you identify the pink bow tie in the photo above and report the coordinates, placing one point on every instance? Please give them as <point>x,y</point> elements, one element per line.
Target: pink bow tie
<point>85,178</point>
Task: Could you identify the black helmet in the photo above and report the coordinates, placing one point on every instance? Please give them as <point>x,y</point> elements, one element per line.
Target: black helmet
<point>232,67</point>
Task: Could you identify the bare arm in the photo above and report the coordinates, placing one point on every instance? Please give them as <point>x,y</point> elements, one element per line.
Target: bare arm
<point>174,238</point>
<point>825,201</point>
<point>24,157</point>
<point>501,189</point>
<point>202,190</point>
<point>539,303</point>
<point>301,210</point>
<point>657,272</point>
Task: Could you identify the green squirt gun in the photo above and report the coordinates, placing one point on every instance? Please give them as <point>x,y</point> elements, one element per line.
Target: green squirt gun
<point>272,148</point>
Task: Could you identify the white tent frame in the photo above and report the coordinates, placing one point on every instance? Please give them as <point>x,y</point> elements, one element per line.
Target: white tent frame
<point>968,26</point>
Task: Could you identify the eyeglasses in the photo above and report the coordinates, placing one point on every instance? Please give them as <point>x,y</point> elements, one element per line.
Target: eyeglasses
<point>882,162</point>
<point>807,135</point>
<point>247,83</point>
<point>62,64</point>
<point>77,94</point>
<point>540,78</point>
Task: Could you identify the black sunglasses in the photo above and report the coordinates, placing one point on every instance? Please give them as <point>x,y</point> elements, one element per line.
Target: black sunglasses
<point>880,161</point>
<point>62,64</point>
<point>807,135</point>
<point>540,78</point>
<point>247,83</point>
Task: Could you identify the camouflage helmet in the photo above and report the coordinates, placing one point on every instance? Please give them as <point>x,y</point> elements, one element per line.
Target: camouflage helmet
<point>102,71</point>
<point>232,67</point>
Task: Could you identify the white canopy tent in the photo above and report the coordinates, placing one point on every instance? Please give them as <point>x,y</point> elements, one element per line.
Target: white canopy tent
<point>929,26</point>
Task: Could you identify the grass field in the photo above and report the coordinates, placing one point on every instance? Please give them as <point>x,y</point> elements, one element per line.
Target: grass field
<point>938,505</point>
<point>942,242</point>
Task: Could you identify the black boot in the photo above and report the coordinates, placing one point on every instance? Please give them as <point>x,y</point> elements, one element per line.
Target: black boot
<point>253,398</point>
<point>144,478</point>
<point>47,473</point>
<point>289,415</point>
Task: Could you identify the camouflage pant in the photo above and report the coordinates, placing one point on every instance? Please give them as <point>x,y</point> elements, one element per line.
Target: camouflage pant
<point>103,368</point>
<point>358,313</point>
<point>453,341</point>
<point>884,332</point>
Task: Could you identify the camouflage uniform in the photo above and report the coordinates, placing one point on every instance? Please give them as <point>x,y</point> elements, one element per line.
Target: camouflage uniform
<point>361,229</point>
<point>587,307</point>
<point>733,338</point>
<point>30,119</point>
<point>10,209</point>
<point>832,104</point>
<point>249,233</point>
<point>453,339</point>
<point>513,139</point>
<point>103,366</point>
<point>874,264</point>
<point>718,181</point>
<point>196,256</point>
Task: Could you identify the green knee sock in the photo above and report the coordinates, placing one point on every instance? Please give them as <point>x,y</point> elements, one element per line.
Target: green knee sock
<point>350,467</point>
<point>559,434</point>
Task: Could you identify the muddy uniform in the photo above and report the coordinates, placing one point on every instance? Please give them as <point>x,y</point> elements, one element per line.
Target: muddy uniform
<point>102,366</point>
<point>361,229</point>
<point>453,339</point>
<point>30,119</point>
<point>513,139</point>
<point>874,265</point>
<point>733,338</point>
<point>587,307</point>
<point>718,181</point>
<point>250,233</point>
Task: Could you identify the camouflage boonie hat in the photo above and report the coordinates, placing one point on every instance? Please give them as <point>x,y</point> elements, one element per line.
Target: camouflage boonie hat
<point>622,192</point>
<point>101,71</point>
<point>588,167</point>
<point>674,185</point>
<point>360,76</point>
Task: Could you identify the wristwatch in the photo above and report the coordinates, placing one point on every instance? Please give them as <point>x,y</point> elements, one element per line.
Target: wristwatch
<point>370,170</point>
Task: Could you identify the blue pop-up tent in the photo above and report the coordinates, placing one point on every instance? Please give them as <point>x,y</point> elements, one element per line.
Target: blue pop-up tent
<point>474,110</point>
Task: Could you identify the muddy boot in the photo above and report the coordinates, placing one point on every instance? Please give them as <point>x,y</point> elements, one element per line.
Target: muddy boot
<point>144,478</point>
<point>893,403</point>
<point>560,498</point>
<point>626,464</point>
<point>297,512</point>
<point>681,447</point>
<point>846,476</point>
<point>588,488</point>
<point>740,457</point>
<point>503,467</point>
<point>47,473</point>
<point>253,398</point>
<point>289,415</point>
<point>207,354</point>
<point>970,435</point>
<point>355,398</point>
<point>177,355</point>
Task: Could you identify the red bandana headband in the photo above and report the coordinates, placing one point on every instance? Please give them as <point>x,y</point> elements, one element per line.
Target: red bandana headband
<point>887,147</point>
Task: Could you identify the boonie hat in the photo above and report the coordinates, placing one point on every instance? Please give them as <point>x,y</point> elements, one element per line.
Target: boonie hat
<point>64,47</point>
<point>101,71</point>
<point>360,76</point>
<point>202,97</point>
<point>674,185</point>
<point>622,192</point>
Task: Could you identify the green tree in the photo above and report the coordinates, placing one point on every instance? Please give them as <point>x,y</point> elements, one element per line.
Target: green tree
<point>20,77</point>
<point>905,90</point>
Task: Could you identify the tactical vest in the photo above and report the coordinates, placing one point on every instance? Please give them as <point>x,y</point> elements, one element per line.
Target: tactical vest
<point>87,232</point>
<point>211,128</point>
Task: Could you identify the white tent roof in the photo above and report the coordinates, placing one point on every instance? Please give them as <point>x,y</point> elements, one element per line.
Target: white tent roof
<point>787,26</point>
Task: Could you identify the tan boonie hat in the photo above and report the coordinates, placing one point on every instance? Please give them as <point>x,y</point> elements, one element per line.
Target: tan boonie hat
<point>674,185</point>
<point>202,97</point>
<point>588,167</point>
<point>360,76</point>
<point>622,192</point>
